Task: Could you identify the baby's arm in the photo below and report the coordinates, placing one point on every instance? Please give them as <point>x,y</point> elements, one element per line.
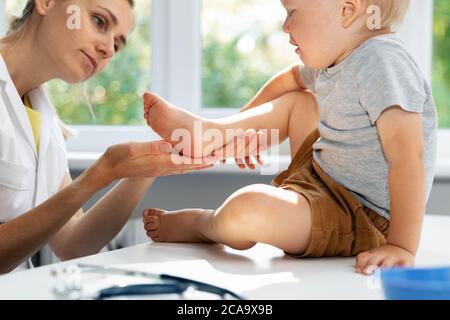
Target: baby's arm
<point>287,80</point>
<point>401,136</point>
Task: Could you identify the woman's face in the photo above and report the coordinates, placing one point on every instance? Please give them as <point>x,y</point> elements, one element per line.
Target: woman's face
<point>80,51</point>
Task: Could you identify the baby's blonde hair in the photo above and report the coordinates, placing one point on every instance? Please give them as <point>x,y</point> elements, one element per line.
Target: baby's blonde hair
<point>392,11</point>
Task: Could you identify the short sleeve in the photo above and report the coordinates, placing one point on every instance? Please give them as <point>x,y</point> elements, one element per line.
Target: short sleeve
<point>309,77</point>
<point>389,77</point>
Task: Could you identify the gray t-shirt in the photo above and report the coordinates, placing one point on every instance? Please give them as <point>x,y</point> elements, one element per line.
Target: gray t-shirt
<point>351,96</point>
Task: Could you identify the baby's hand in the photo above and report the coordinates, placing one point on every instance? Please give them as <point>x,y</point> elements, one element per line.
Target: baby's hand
<point>387,256</point>
<point>254,151</point>
<point>244,148</point>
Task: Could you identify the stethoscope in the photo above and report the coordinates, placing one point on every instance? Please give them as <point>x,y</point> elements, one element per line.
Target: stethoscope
<point>71,284</point>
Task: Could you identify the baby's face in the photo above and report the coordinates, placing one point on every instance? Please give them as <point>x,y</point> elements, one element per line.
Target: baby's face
<point>315,27</point>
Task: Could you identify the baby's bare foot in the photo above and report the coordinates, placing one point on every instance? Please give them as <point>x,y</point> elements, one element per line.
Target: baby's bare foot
<point>175,125</point>
<point>175,226</point>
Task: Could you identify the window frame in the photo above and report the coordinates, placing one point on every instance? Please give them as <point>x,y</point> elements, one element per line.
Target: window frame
<point>2,15</point>
<point>177,65</point>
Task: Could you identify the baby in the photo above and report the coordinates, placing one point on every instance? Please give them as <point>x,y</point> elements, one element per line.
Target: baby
<point>362,126</point>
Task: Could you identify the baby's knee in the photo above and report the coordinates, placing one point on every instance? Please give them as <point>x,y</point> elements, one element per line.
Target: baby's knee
<point>251,196</point>
<point>245,205</point>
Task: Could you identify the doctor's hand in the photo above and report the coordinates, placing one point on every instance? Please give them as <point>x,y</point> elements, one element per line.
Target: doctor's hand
<point>146,160</point>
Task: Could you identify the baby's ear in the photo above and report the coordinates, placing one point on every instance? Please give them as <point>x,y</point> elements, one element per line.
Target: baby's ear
<point>350,11</point>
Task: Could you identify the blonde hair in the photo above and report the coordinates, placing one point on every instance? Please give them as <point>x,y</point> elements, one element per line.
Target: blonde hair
<point>392,11</point>
<point>18,23</point>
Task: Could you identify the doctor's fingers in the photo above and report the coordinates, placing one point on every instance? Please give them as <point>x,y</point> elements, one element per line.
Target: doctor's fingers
<point>135,150</point>
<point>183,168</point>
<point>176,164</point>
<point>177,160</point>
<point>156,166</point>
<point>139,149</point>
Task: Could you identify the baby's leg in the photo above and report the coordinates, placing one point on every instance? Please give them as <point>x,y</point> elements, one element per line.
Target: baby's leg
<point>258,213</point>
<point>294,114</point>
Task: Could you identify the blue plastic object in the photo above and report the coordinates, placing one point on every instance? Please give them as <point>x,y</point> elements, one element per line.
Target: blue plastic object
<point>416,283</point>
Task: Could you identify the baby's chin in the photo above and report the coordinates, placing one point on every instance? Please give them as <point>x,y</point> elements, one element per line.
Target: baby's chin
<point>316,63</point>
<point>313,64</point>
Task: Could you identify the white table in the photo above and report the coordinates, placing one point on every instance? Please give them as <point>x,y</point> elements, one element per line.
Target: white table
<point>262,272</point>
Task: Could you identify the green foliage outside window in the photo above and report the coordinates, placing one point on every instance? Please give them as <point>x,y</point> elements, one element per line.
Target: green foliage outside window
<point>243,46</point>
<point>441,61</point>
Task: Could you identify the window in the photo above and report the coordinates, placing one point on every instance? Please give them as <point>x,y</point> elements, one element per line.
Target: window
<point>243,46</point>
<point>441,60</point>
<point>211,56</point>
<point>116,94</point>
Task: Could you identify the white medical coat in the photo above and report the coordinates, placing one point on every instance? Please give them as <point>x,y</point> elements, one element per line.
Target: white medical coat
<point>26,178</point>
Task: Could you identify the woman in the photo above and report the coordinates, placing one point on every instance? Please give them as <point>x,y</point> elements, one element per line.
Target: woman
<point>39,203</point>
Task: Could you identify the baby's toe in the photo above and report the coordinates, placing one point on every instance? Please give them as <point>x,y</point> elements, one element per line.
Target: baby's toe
<point>154,235</point>
<point>152,223</point>
<point>148,213</point>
